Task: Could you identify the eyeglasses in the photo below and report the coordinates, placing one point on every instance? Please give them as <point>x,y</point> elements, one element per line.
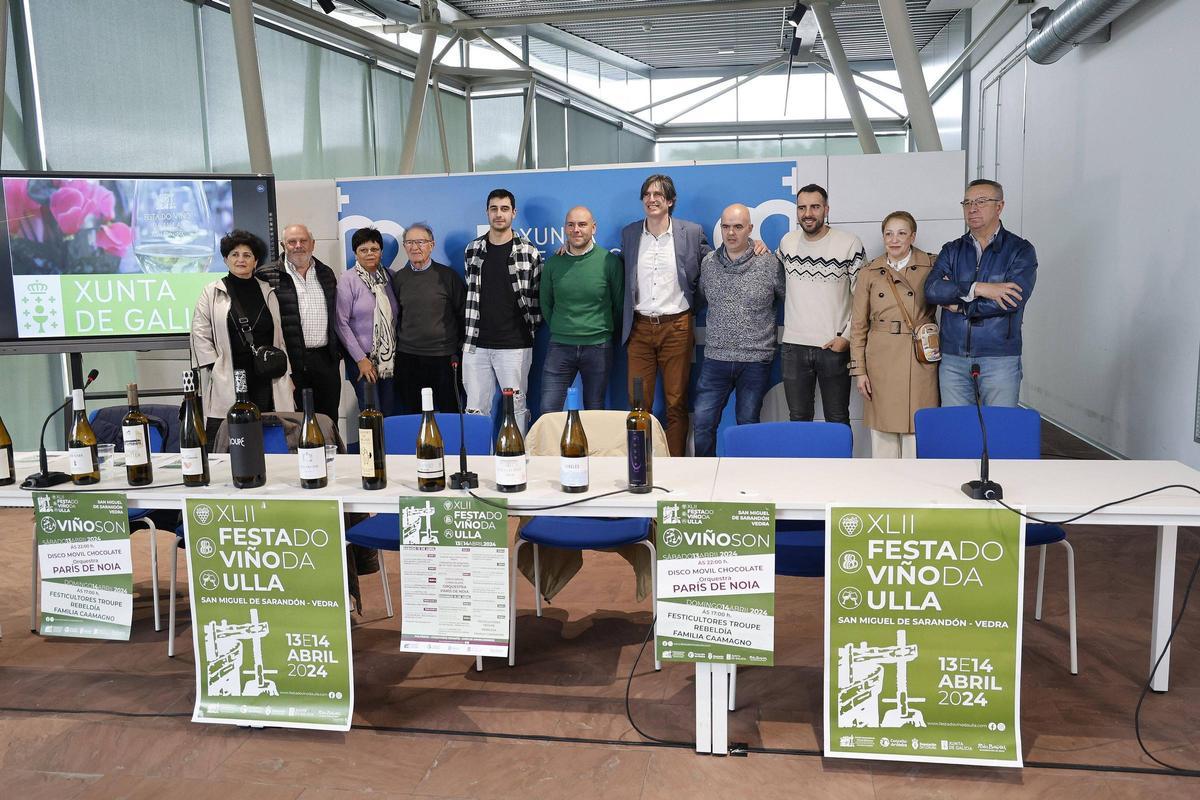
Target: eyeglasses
<point>367,251</point>
<point>418,242</point>
<point>980,202</point>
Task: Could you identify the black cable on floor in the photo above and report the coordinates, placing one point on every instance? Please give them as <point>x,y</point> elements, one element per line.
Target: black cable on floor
<point>1137,712</point>
<point>489,501</point>
<point>629,683</point>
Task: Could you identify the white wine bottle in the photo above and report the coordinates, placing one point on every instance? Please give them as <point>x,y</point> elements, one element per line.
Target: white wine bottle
<point>311,447</point>
<point>193,441</point>
<point>7,473</point>
<point>638,443</point>
<point>135,433</point>
<point>431,453</point>
<point>372,456</point>
<point>81,445</point>
<point>573,447</point>
<point>512,473</point>
<point>247,461</point>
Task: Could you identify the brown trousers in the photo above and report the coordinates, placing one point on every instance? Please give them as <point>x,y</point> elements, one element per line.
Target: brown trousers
<point>667,346</point>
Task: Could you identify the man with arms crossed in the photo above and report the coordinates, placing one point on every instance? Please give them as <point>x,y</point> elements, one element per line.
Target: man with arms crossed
<point>503,272</point>
<point>739,344</point>
<point>430,298</point>
<point>821,265</point>
<point>982,281</point>
<point>307,291</point>
<point>582,293</point>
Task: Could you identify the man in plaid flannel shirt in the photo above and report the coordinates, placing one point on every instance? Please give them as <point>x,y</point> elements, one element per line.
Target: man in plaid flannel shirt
<point>501,321</point>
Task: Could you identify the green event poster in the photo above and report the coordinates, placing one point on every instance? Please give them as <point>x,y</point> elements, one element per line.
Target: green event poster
<point>923,634</point>
<point>108,304</point>
<point>270,618</point>
<point>454,576</point>
<point>85,564</point>
<point>716,583</point>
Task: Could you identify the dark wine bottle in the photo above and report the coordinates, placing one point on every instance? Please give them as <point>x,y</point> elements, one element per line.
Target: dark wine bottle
<point>7,474</point>
<point>193,441</point>
<point>135,432</point>
<point>81,445</point>
<point>372,455</point>
<point>431,453</point>
<point>511,471</point>
<point>247,461</point>
<point>311,447</point>
<point>573,447</point>
<point>638,443</point>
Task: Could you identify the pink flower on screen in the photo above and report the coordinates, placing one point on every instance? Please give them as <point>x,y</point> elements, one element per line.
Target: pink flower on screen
<point>20,206</point>
<point>115,238</point>
<point>70,209</point>
<point>98,200</point>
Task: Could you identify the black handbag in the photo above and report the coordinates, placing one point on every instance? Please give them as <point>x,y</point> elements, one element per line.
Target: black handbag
<point>269,362</point>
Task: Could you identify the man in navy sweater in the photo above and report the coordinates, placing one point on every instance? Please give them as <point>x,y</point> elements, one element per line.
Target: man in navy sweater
<point>983,282</point>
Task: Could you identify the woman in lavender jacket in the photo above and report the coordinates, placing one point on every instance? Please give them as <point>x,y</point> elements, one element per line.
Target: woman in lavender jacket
<point>366,319</point>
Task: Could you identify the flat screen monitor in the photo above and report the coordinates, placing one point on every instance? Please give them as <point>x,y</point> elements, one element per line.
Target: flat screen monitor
<point>93,261</point>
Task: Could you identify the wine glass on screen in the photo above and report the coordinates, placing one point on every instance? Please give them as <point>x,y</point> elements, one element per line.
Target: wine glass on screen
<point>172,226</point>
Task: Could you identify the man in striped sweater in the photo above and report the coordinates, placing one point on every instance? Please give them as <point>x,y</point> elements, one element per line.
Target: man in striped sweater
<point>821,265</point>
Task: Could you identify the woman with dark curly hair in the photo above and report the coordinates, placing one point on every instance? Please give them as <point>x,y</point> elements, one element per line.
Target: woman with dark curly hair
<point>366,319</point>
<point>218,343</point>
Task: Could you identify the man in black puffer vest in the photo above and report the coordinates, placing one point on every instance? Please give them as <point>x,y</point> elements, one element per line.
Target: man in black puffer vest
<point>306,290</point>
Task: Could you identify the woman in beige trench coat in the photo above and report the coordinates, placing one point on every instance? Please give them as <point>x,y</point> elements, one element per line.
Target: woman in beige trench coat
<point>891,380</point>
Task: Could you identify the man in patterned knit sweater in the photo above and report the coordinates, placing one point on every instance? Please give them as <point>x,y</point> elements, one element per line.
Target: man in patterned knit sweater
<point>821,265</point>
<point>739,340</point>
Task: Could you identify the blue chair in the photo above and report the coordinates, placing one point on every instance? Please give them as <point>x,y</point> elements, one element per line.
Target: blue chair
<point>140,516</point>
<point>606,433</point>
<point>1013,433</point>
<point>382,531</point>
<point>799,543</point>
<point>274,443</point>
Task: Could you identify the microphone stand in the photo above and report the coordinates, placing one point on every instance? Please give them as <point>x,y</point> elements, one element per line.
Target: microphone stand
<point>44,478</point>
<point>464,478</point>
<point>982,489</point>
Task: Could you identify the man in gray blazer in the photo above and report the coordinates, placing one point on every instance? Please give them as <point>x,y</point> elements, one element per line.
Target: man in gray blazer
<point>662,264</point>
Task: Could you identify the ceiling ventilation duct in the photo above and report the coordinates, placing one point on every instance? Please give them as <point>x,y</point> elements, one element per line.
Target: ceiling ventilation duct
<point>1070,24</point>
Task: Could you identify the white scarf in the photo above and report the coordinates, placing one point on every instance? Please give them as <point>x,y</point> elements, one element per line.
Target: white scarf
<point>383,340</point>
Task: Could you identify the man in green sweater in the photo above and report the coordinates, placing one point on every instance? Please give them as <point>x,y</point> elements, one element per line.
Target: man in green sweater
<point>582,298</point>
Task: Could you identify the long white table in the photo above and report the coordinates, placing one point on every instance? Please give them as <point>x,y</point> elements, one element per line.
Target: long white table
<point>800,489</point>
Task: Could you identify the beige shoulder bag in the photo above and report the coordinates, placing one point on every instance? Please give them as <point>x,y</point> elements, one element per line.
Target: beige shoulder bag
<point>926,341</point>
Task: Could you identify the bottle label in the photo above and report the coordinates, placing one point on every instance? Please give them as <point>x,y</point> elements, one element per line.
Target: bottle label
<point>573,471</point>
<point>312,463</point>
<point>191,460</point>
<point>511,471</point>
<point>366,452</point>
<point>5,458</point>
<point>246,455</point>
<point>137,452</point>
<point>636,442</point>
<point>83,460</point>
<point>431,468</point>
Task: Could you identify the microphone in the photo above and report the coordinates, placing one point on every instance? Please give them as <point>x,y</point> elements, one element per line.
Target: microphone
<point>463,479</point>
<point>982,489</point>
<point>44,479</point>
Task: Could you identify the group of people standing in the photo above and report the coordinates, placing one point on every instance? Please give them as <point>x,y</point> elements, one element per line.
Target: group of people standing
<point>405,328</point>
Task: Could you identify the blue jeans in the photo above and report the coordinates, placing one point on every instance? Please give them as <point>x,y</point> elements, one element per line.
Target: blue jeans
<point>563,362</point>
<point>807,368</point>
<point>999,380</point>
<point>717,380</point>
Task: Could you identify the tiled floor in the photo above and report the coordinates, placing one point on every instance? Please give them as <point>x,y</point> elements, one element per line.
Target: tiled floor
<point>570,682</point>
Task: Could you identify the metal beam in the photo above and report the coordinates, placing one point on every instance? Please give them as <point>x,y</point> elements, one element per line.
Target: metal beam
<point>992,32</point>
<point>655,10</point>
<point>441,120</point>
<point>744,79</point>
<point>416,106</point>
<point>841,70</point>
<point>912,79</point>
<point>3,58</point>
<point>757,70</point>
<point>502,50</point>
<point>455,39</point>
<point>253,110</point>
<point>866,76</point>
<point>525,122</point>
<point>868,94</point>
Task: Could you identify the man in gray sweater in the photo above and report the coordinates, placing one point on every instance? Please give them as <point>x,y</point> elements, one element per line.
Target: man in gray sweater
<point>742,290</point>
